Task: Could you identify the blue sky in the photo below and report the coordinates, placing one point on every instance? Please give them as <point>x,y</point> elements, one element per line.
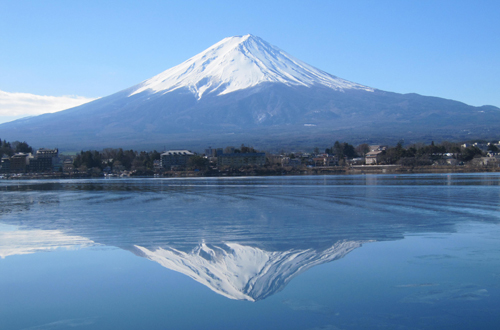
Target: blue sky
<point>449,49</point>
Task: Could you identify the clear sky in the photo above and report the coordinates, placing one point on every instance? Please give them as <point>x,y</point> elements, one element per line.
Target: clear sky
<point>91,49</point>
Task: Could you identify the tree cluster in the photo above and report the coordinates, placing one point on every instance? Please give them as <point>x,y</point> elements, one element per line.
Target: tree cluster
<point>420,154</point>
<point>242,150</point>
<point>116,159</point>
<point>342,150</point>
<point>198,163</point>
<point>9,149</point>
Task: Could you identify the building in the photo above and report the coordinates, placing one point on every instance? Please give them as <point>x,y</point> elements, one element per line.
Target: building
<point>325,160</point>
<point>175,158</point>
<point>209,152</point>
<point>356,161</point>
<point>373,157</point>
<point>274,159</point>
<point>484,161</point>
<point>293,162</point>
<point>19,162</point>
<point>40,164</point>
<point>5,164</point>
<point>44,160</point>
<point>68,166</point>
<point>241,159</point>
<point>47,153</point>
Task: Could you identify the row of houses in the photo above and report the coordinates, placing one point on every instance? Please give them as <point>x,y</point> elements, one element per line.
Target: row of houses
<point>44,160</point>
<point>229,157</point>
<point>48,160</point>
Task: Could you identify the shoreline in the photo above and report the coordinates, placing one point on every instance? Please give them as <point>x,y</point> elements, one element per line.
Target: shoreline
<point>262,172</point>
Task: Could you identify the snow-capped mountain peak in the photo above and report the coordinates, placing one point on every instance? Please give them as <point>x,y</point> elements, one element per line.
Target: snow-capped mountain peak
<point>237,63</point>
<point>243,272</point>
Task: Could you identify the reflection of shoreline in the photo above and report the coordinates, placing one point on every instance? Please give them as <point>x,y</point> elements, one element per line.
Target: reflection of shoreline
<point>244,272</point>
<point>291,171</point>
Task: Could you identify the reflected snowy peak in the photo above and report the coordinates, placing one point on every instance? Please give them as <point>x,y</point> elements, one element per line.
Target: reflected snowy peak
<point>244,272</point>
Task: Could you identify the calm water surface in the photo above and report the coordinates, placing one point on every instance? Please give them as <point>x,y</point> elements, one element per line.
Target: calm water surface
<point>317,252</point>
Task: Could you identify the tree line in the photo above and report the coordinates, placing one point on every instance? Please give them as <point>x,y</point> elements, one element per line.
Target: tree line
<point>116,159</point>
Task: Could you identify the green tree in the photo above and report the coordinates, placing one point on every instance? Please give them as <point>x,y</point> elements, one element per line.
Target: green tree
<point>338,150</point>
<point>342,150</point>
<point>198,162</point>
<point>155,155</point>
<point>470,152</point>
<point>23,147</point>
<point>349,150</point>
<point>492,148</point>
<point>6,149</point>
<point>88,158</point>
<point>245,150</point>
<point>362,149</point>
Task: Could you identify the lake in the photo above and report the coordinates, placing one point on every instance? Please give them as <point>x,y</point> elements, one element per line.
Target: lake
<point>306,252</point>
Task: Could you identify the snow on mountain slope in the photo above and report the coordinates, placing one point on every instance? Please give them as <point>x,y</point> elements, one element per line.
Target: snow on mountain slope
<point>244,272</point>
<point>238,63</point>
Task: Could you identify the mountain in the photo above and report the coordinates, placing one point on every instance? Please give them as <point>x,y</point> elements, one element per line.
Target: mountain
<point>244,272</point>
<point>244,90</point>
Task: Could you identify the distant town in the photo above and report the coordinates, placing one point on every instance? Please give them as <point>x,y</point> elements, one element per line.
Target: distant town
<point>19,160</point>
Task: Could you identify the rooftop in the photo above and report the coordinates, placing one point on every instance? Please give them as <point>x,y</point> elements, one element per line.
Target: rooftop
<point>178,153</point>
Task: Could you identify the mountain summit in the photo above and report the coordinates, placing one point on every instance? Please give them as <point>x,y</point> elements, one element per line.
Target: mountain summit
<point>238,63</point>
<point>244,90</point>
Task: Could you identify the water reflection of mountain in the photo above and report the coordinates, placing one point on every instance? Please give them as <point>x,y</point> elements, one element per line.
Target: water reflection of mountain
<point>246,238</point>
<point>244,272</point>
